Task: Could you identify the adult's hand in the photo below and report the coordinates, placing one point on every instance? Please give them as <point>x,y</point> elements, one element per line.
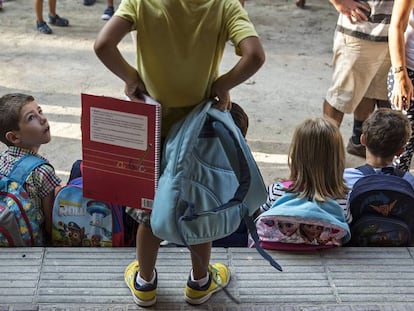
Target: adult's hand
<point>355,11</point>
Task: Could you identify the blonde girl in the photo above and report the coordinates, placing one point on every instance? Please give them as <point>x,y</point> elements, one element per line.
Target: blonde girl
<point>317,160</point>
<point>316,163</point>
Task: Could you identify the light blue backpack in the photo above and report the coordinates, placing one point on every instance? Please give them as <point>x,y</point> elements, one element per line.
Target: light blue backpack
<point>296,223</point>
<point>209,182</point>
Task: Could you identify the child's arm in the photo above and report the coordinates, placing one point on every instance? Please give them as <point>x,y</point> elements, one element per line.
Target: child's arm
<point>46,182</point>
<point>47,206</point>
<point>403,87</point>
<point>106,48</point>
<point>252,58</point>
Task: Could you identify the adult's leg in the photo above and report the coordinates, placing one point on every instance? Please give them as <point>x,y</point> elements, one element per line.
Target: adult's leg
<point>332,113</point>
<point>361,113</point>
<point>365,108</point>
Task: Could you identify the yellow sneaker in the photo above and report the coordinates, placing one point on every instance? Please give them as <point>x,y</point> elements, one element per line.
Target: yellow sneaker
<point>144,296</point>
<point>219,278</point>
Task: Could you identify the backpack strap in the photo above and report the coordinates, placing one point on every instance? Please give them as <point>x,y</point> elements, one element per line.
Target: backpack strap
<point>24,166</point>
<point>388,170</point>
<point>366,169</point>
<point>239,163</point>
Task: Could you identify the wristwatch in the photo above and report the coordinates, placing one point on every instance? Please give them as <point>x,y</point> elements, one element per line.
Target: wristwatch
<point>399,69</point>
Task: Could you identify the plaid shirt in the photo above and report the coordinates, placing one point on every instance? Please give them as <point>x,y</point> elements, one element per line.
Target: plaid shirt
<point>39,184</point>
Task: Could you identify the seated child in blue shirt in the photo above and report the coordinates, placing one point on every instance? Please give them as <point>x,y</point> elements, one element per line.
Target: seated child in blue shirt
<point>23,129</point>
<point>384,133</point>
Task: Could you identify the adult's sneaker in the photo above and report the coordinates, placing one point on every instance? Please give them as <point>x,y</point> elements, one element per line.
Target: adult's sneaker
<point>144,296</point>
<point>108,13</point>
<point>219,278</point>
<point>355,149</point>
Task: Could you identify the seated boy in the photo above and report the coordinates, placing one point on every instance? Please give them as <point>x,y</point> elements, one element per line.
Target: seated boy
<point>23,129</point>
<point>384,134</point>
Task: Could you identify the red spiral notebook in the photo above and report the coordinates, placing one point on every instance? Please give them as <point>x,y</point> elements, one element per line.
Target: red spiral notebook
<point>120,150</point>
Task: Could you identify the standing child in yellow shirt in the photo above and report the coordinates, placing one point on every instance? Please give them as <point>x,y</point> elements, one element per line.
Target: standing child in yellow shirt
<point>180,45</point>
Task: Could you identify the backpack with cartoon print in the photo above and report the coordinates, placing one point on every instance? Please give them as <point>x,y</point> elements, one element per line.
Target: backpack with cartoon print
<point>80,221</point>
<point>296,223</point>
<point>382,207</point>
<point>19,219</point>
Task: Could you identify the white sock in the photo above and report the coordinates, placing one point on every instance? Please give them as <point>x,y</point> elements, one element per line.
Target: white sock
<point>140,281</point>
<point>201,282</point>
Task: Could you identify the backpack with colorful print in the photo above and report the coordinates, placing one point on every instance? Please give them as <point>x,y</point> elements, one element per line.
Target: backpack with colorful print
<point>80,221</point>
<point>296,223</point>
<point>19,219</point>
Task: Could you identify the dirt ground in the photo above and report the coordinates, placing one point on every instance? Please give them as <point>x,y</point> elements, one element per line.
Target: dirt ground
<point>57,68</point>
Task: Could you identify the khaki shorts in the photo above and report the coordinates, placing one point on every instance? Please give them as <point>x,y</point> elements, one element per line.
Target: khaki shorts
<point>360,69</point>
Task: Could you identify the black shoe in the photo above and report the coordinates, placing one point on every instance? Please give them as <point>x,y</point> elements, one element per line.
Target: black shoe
<point>356,149</point>
<point>88,2</point>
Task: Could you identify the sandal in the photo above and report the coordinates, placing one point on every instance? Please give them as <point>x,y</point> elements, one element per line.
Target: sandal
<point>58,21</point>
<point>42,27</point>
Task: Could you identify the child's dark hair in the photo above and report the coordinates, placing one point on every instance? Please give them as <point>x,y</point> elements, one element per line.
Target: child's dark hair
<point>386,131</point>
<point>10,106</point>
<point>240,118</point>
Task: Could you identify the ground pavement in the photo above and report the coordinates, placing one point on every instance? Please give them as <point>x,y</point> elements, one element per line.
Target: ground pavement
<point>57,68</point>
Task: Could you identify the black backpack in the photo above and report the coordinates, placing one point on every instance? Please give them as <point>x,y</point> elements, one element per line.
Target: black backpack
<point>382,207</point>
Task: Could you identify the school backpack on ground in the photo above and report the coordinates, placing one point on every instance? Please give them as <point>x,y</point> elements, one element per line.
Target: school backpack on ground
<point>79,221</point>
<point>19,219</point>
<point>209,182</point>
<point>295,223</point>
<point>382,207</point>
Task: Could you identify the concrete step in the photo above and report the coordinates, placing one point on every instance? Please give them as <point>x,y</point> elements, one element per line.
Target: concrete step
<point>344,278</point>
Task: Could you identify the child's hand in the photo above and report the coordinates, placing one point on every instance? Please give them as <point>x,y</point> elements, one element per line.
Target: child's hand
<point>222,95</point>
<point>222,105</point>
<point>135,90</point>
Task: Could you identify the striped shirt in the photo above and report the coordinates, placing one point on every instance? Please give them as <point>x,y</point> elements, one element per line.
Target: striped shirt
<point>276,190</point>
<point>39,184</point>
<point>376,28</point>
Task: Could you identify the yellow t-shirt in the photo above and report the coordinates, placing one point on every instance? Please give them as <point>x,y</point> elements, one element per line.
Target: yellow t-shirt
<point>180,45</point>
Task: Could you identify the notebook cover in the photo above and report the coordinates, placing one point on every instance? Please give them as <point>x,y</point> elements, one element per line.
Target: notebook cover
<point>120,148</point>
